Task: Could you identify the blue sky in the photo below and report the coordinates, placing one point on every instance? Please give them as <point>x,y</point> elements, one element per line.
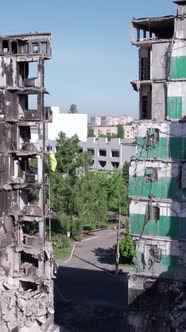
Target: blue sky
<point>93,61</point>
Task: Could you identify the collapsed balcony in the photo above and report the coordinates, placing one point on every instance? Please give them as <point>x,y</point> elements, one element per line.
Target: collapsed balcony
<point>152,29</point>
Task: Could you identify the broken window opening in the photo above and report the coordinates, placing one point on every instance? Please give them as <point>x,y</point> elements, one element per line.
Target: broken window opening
<point>26,48</point>
<point>31,228</point>
<point>28,258</point>
<point>35,48</point>
<point>32,102</point>
<point>102,163</point>
<point>44,47</point>
<point>145,68</point>
<point>115,164</point>
<point>27,285</point>
<point>151,175</point>
<point>5,46</point>
<point>115,153</point>
<point>14,47</point>
<point>152,137</point>
<point>144,107</point>
<point>102,153</point>
<point>155,254</point>
<point>153,213</point>
<point>32,69</point>
<point>33,195</point>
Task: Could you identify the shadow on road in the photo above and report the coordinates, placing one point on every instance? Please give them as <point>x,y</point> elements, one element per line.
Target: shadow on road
<point>90,300</point>
<point>105,256</point>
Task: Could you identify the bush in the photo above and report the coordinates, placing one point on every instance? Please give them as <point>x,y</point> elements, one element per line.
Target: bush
<point>60,241</point>
<point>127,249</point>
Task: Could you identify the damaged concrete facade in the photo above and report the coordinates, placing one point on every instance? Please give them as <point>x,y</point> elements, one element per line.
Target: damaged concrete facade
<point>26,260</point>
<point>157,185</point>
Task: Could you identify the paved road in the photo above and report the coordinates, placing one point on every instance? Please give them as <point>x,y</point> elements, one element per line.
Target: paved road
<point>88,298</point>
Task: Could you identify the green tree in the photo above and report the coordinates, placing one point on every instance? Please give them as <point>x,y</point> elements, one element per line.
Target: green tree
<point>125,172</point>
<point>91,132</point>
<point>127,247</point>
<point>120,131</point>
<point>73,109</point>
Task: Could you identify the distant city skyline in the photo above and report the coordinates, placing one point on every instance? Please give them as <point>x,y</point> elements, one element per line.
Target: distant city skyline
<point>93,61</point>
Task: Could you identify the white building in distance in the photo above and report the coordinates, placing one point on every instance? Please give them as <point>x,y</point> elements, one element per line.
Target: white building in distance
<point>69,123</point>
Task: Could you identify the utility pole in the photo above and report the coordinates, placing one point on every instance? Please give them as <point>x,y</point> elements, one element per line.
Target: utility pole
<point>49,219</point>
<point>118,243</point>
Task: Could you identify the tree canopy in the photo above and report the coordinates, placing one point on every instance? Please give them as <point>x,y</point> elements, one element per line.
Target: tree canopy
<point>73,109</point>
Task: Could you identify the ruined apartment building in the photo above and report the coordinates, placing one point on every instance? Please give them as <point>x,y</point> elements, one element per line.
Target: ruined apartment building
<point>26,261</point>
<point>157,187</point>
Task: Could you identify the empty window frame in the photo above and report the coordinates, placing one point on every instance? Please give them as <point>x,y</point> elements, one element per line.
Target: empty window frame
<point>151,174</point>
<point>91,151</point>
<point>145,68</point>
<point>14,47</point>
<point>32,102</point>
<point>102,163</point>
<point>44,47</point>
<point>144,107</point>
<point>153,213</point>
<point>35,48</point>
<point>115,164</point>
<point>25,48</point>
<point>32,69</point>
<point>102,153</point>
<point>5,46</point>
<point>153,135</point>
<point>115,153</point>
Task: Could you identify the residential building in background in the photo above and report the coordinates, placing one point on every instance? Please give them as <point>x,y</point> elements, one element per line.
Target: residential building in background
<point>26,260</point>
<point>69,123</point>
<point>157,185</point>
<point>107,155</point>
<point>110,120</point>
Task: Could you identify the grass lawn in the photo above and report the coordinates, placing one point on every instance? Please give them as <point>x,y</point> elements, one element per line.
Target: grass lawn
<point>63,253</point>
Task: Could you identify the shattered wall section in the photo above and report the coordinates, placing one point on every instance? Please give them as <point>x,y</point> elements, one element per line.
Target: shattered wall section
<point>26,259</point>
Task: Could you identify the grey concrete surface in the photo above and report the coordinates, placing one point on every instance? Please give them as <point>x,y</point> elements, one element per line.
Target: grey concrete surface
<point>88,298</point>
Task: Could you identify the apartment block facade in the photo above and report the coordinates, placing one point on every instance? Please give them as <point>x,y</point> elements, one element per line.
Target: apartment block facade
<point>26,259</point>
<point>157,185</point>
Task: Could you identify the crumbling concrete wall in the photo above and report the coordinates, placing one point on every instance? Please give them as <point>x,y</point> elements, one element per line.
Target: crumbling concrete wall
<point>26,259</point>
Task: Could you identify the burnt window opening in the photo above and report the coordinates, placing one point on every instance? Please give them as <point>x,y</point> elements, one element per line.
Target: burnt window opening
<point>144,111</point>
<point>102,153</point>
<point>33,195</point>
<point>5,46</point>
<point>152,136</point>
<point>145,68</point>
<point>91,151</point>
<point>14,47</point>
<point>25,134</point>
<point>35,48</point>
<point>27,285</point>
<point>151,174</point>
<point>102,163</point>
<point>155,254</point>
<point>115,164</point>
<point>28,258</point>
<point>32,102</point>
<point>30,228</point>
<point>153,213</point>
<point>115,153</point>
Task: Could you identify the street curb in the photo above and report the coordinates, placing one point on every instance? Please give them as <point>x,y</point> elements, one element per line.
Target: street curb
<point>74,247</point>
<point>72,252</point>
